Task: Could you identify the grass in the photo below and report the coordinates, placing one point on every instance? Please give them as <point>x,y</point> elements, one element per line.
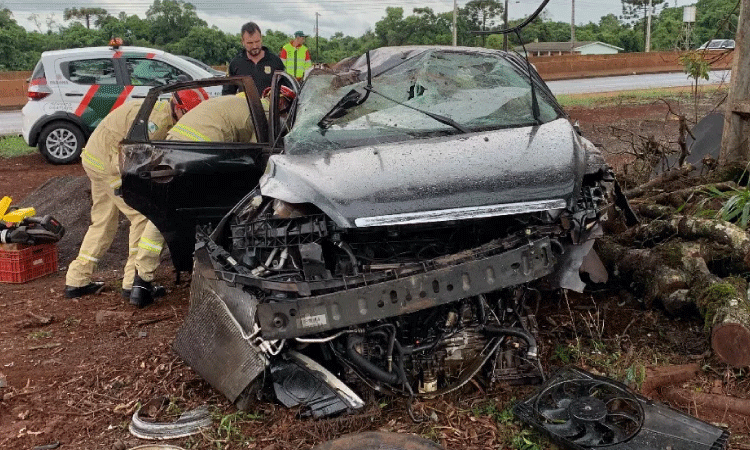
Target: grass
<point>635,97</point>
<point>11,146</point>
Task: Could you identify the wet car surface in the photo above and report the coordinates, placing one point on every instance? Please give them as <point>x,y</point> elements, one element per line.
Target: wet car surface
<point>399,238</point>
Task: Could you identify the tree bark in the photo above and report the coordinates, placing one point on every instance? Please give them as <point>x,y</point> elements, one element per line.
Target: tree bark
<point>678,277</point>
<point>721,403</point>
<point>663,178</point>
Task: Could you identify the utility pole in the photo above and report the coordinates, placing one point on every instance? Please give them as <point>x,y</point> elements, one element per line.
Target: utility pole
<point>505,22</point>
<point>648,27</point>
<point>735,149</point>
<point>455,16</point>
<point>573,27</point>
<point>317,49</point>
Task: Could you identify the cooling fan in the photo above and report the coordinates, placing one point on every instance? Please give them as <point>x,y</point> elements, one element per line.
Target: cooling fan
<point>582,411</point>
<point>589,412</point>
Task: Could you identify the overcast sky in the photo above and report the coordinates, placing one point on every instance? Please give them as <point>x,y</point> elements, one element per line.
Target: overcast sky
<point>352,17</point>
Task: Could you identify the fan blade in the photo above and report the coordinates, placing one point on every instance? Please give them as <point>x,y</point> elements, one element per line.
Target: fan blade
<point>559,414</point>
<point>621,416</point>
<point>566,430</point>
<point>591,437</point>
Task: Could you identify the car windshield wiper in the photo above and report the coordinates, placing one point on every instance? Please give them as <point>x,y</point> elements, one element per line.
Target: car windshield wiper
<point>350,100</point>
<point>354,98</point>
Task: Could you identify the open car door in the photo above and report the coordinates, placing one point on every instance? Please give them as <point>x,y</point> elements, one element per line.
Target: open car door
<point>180,184</point>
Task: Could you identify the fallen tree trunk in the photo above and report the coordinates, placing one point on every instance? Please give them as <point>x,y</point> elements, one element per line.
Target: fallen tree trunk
<point>663,178</point>
<point>681,196</point>
<point>659,376</point>
<point>722,403</point>
<point>677,276</point>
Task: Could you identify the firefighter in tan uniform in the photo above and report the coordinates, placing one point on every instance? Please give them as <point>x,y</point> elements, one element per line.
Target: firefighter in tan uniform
<point>220,119</point>
<point>100,160</point>
<point>224,119</point>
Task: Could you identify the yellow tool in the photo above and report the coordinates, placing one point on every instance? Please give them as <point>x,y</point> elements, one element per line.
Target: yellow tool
<point>18,215</point>
<point>4,203</point>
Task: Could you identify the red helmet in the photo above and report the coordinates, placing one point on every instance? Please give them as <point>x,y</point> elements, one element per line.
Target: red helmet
<point>187,99</point>
<point>285,93</point>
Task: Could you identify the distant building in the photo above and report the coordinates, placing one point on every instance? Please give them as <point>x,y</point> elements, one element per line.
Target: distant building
<point>565,48</point>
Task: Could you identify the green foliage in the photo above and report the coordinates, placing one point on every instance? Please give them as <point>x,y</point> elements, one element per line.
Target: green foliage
<point>735,207</point>
<point>86,14</point>
<point>635,374</point>
<point>174,25</point>
<point>501,416</point>
<point>11,146</point>
<point>527,440</point>
<point>170,20</point>
<point>229,426</point>
<point>566,354</point>
<point>695,65</point>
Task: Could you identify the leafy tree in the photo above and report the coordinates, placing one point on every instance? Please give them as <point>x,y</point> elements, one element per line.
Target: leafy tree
<point>78,36</point>
<point>483,13</point>
<point>667,30</point>
<point>13,44</point>
<point>170,20</point>
<point>636,11</point>
<point>274,40</point>
<point>85,14</point>
<point>715,19</point>
<point>210,45</point>
<point>132,29</point>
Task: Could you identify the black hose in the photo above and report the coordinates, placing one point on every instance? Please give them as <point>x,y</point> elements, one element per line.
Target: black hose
<point>517,332</point>
<point>365,364</point>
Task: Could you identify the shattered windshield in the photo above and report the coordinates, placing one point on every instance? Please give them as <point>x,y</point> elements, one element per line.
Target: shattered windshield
<point>478,90</point>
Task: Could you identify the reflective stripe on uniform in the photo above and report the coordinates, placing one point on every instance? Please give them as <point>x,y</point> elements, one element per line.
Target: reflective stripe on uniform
<point>85,257</point>
<point>133,250</point>
<point>91,161</point>
<point>190,133</point>
<point>148,244</point>
<point>116,183</point>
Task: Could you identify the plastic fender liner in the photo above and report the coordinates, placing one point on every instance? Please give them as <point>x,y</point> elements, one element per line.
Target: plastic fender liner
<point>298,380</point>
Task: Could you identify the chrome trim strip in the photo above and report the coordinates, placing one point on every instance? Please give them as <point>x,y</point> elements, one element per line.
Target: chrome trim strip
<point>472,212</point>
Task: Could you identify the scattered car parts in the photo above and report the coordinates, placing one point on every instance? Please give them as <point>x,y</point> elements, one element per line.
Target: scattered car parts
<point>579,410</point>
<point>189,423</point>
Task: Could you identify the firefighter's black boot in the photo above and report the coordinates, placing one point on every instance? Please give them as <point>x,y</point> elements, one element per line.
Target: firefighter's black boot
<point>143,292</point>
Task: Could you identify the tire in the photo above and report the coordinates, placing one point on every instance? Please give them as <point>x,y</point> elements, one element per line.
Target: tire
<point>378,440</point>
<point>61,142</point>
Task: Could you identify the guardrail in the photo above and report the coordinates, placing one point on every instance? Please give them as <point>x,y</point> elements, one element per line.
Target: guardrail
<point>13,85</point>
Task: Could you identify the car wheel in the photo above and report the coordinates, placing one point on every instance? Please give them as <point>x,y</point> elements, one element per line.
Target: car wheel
<point>61,142</point>
<point>378,440</point>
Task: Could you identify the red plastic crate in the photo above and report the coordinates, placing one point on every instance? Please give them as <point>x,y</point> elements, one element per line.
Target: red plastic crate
<point>21,263</point>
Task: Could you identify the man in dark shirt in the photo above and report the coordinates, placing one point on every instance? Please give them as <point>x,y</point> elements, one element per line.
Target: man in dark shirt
<point>254,60</point>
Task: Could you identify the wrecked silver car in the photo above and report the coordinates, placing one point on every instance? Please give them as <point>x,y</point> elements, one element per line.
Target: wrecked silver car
<point>401,237</point>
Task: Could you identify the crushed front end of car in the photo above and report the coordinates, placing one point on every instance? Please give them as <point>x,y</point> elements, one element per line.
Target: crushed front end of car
<point>426,199</point>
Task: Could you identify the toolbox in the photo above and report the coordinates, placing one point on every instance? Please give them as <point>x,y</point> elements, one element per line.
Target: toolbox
<point>20,263</point>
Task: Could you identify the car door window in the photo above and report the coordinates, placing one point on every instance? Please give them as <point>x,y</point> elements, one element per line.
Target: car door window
<point>90,71</point>
<point>151,72</point>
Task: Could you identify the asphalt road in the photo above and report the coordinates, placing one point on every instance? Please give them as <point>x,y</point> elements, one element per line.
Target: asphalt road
<point>631,82</point>
<point>11,122</point>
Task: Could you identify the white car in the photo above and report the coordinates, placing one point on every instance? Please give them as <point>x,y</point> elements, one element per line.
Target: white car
<point>71,91</point>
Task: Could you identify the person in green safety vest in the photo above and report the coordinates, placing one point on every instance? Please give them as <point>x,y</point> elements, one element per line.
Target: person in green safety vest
<point>296,56</point>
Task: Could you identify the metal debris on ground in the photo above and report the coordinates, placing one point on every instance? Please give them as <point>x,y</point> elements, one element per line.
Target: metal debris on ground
<point>189,423</point>
<point>580,411</point>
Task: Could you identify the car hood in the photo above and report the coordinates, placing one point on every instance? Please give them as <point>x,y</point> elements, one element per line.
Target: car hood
<point>481,174</point>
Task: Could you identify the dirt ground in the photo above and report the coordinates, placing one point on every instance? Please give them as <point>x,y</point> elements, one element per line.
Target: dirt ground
<point>72,372</point>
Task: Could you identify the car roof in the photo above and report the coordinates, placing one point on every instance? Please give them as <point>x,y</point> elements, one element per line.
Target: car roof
<point>129,51</point>
<point>85,51</point>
